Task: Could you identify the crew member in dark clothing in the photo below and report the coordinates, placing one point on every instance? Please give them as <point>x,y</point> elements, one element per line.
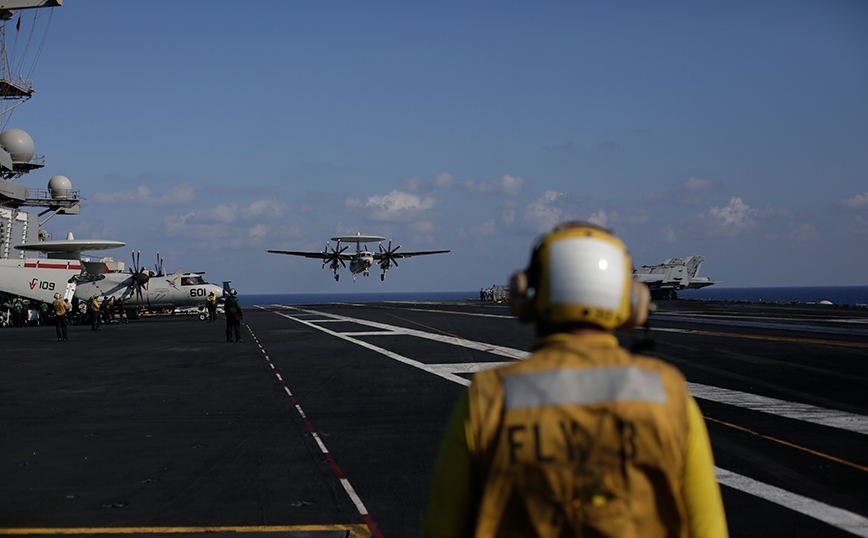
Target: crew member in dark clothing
<point>234,315</point>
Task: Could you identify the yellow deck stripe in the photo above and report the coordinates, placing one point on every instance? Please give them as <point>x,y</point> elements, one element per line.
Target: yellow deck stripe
<point>814,452</point>
<point>784,339</point>
<point>355,531</point>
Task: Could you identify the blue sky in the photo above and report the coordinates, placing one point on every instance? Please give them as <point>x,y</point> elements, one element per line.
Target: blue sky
<point>212,131</point>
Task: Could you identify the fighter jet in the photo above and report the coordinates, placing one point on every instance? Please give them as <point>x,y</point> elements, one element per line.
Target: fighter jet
<point>666,279</point>
<point>361,260</point>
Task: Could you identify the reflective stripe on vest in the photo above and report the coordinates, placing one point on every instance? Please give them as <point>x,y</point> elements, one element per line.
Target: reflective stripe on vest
<point>582,386</point>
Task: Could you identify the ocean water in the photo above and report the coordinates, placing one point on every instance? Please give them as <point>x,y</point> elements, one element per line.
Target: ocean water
<point>839,295</point>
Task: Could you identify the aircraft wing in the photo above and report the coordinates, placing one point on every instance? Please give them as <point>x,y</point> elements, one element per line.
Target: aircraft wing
<point>381,255</point>
<point>317,255</point>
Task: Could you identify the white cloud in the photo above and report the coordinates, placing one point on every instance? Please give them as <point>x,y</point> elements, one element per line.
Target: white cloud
<point>181,195</point>
<point>484,230</point>
<point>444,180</point>
<point>859,201</point>
<point>266,208</point>
<point>698,184</point>
<point>238,226</point>
<point>544,212</point>
<point>397,206</point>
<point>554,207</point>
<point>599,218</point>
<point>686,193</point>
<point>734,218</point>
<point>804,232</point>
<point>416,183</point>
<point>506,184</point>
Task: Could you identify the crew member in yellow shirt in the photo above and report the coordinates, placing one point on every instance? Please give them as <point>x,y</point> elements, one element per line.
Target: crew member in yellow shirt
<point>583,438</point>
<point>59,308</point>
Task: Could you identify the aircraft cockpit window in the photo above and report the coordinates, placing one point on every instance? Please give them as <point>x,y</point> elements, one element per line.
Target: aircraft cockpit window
<point>192,280</point>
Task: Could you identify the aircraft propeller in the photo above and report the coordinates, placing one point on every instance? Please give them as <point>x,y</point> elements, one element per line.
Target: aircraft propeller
<point>388,258</point>
<point>140,277</point>
<point>334,258</point>
<point>159,266</point>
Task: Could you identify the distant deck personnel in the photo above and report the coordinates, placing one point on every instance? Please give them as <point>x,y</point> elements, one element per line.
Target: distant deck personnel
<point>583,438</point>
<point>93,308</point>
<point>211,305</point>
<point>234,315</point>
<point>59,308</point>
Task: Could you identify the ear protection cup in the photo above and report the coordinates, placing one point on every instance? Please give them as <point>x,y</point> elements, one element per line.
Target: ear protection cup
<point>519,303</point>
<point>640,303</point>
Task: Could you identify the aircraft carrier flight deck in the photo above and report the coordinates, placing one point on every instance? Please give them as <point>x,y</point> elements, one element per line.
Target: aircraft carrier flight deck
<point>326,420</point>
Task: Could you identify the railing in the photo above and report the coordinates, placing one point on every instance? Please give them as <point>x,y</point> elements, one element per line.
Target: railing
<point>45,194</point>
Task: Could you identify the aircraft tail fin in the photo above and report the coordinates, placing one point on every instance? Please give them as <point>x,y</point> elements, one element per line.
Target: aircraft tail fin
<point>692,264</point>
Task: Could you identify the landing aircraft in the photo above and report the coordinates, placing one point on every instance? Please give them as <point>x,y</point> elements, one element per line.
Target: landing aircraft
<point>362,259</point>
<point>675,274</point>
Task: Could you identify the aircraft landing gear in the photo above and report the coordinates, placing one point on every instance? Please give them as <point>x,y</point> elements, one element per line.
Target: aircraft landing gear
<point>383,277</point>
<point>337,277</point>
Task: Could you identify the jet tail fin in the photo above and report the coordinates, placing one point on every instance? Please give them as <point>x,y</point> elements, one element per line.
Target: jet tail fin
<point>692,264</point>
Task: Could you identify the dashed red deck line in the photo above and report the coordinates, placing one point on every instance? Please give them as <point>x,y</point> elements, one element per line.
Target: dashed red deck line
<point>369,521</point>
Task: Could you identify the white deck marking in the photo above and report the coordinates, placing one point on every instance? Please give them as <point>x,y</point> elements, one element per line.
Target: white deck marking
<point>804,412</point>
<point>386,352</point>
<point>394,329</point>
<point>476,314</point>
<point>373,333</point>
<point>836,517</point>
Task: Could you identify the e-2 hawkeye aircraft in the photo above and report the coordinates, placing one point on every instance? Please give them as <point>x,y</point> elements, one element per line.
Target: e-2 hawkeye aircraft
<point>666,279</point>
<point>65,272</point>
<point>40,278</point>
<point>362,259</point>
<point>146,290</point>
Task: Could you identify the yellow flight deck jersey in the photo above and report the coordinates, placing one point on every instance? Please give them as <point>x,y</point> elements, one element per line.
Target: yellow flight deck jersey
<point>581,439</point>
<point>60,307</point>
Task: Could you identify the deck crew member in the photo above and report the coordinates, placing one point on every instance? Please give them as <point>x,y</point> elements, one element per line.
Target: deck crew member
<point>59,308</point>
<point>93,306</point>
<point>232,309</point>
<point>583,438</point>
<point>211,304</point>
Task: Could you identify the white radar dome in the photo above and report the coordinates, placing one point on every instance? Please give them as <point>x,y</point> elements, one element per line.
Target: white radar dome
<point>60,187</point>
<point>18,144</point>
